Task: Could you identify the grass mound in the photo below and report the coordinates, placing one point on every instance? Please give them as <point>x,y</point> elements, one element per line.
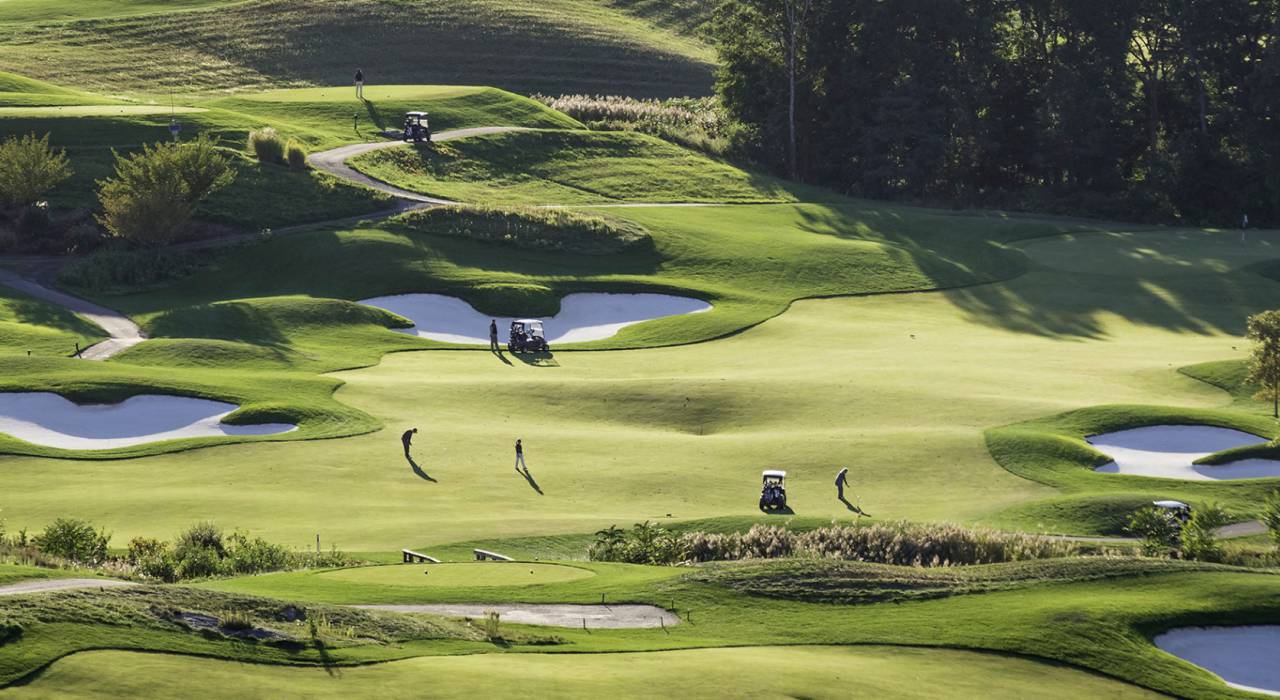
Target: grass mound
<point>568,167</point>
<point>287,43</point>
<point>557,230</point>
<point>852,583</point>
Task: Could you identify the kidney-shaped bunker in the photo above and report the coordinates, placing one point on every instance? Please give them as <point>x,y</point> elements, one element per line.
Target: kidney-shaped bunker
<point>48,419</point>
<point>1243,657</point>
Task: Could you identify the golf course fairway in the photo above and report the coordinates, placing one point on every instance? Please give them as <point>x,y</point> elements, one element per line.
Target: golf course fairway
<point>759,672</point>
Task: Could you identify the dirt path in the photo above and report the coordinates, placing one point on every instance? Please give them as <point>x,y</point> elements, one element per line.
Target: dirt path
<point>122,333</point>
<point>60,584</point>
<point>593,616</point>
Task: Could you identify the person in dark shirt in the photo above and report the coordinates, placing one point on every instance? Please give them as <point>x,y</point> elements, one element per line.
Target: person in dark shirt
<point>493,335</point>
<point>359,84</point>
<point>842,480</point>
<point>407,439</point>
<point>520,457</point>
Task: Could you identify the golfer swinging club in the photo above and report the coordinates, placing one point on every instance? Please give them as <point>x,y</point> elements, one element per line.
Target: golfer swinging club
<point>407,438</point>
<point>520,457</point>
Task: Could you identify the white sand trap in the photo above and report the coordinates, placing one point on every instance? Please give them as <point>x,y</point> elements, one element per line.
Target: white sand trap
<point>582,317</point>
<point>1169,451</point>
<point>1243,657</point>
<point>54,421</point>
<point>551,615</point>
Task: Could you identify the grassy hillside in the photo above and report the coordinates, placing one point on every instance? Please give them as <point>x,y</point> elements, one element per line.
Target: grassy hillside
<point>24,11</point>
<point>568,167</point>
<point>552,46</point>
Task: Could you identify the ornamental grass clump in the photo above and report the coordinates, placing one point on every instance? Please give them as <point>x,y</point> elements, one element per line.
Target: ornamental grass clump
<point>267,146</point>
<point>529,228</point>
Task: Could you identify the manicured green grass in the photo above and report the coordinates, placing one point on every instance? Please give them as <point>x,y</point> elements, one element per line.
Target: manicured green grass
<point>813,672</point>
<point>552,46</point>
<point>621,437</point>
<point>31,325</point>
<point>458,575</point>
<point>13,573</point>
<point>568,167</point>
<point>329,116</point>
<point>20,11</point>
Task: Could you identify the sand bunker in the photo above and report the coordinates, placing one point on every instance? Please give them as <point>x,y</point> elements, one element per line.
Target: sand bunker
<point>49,419</point>
<point>1243,657</point>
<point>582,317</point>
<point>1169,451</point>
<point>552,615</point>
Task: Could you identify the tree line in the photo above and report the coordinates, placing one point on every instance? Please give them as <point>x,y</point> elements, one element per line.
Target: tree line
<point>1157,110</point>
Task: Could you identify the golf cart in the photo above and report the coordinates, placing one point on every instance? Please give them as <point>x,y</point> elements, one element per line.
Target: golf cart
<point>527,336</point>
<point>1176,512</point>
<point>773,494</point>
<point>416,127</point>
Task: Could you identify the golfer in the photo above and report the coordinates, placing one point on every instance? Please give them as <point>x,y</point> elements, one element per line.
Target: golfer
<point>493,335</point>
<point>359,84</point>
<point>520,457</point>
<point>407,439</point>
<point>842,480</point>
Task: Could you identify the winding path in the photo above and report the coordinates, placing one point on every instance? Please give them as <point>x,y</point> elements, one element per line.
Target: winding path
<point>122,333</point>
<point>551,615</point>
<point>49,585</point>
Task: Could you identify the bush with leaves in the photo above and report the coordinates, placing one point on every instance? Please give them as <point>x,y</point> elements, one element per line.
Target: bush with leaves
<point>30,167</point>
<point>155,192</point>
<point>267,146</point>
<point>645,543</point>
<point>1271,516</point>
<point>74,540</point>
<point>1158,532</point>
<point>295,155</point>
<point>1198,539</point>
<point>153,559</point>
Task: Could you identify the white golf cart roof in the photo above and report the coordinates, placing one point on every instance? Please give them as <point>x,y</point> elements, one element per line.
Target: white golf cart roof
<point>415,114</point>
<point>1174,505</point>
<point>528,321</point>
<point>775,473</point>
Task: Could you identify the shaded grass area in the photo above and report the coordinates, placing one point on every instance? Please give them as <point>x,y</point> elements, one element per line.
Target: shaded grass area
<point>553,46</point>
<point>568,167</point>
<point>194,621</point>
<point>38,327</point>
<point>750,262</point>
<point>263,397</point>
<point>811,672</point>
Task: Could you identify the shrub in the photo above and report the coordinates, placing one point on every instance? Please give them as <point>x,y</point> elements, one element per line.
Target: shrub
<point>203,535</point>
<point>74,540</point>
<point>1159,534</point>
<point>534,229</point>
<point>296,156</point>
<point>154,193</point>
<point>1271,516</point>
<point>235,621</point>
<point>900,543</point>
<point>199,563</point>
<point>256,555</point>
<point>694,122</point>
<point>643,544</point>
<point>1198,539</point>
<point>29,167</point>
<point>122,271</point>
<point>266,145</point>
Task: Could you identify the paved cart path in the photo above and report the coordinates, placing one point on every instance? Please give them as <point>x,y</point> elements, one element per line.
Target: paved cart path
<point>60,584</point>
<point>122,333</point>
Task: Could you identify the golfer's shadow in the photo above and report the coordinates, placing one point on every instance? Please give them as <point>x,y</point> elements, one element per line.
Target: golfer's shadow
<point>501,356</point>
<point>418,470</point>
<point>851,507</point>
<point>529,478</point>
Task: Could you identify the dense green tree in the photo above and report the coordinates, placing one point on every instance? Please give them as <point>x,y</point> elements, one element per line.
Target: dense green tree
<point>29,168</point>
<point>1264,359</point>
